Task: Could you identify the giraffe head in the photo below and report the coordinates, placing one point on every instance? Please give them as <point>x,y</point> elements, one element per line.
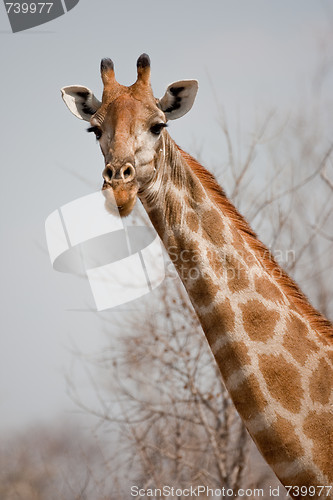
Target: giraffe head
<point>129,124</point>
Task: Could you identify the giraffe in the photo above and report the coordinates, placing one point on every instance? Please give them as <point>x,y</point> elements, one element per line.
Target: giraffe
<point>273,349</point>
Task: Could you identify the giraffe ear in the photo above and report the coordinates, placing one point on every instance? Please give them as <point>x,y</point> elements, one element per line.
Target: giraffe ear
<point>178,98</point>
<point>80,101</point>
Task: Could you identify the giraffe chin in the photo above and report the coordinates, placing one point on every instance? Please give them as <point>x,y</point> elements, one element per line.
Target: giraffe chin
<point>119,200</point>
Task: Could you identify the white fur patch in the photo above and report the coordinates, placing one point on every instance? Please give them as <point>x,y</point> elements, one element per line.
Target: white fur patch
<point>80,101</point>
<point>178,98</point>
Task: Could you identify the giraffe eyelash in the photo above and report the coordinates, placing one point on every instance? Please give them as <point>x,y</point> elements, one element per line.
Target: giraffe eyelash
<point>157,128</point>
<point>93,129</point>
<point>97,131</point>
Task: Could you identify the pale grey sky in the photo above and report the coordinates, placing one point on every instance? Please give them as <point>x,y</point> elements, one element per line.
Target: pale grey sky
<point>253,55</point>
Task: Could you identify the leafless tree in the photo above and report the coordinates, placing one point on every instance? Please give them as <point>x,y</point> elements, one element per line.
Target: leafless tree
<point>53,463</point>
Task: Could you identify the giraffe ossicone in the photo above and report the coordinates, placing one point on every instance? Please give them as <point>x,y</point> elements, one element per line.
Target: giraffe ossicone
<point>274,350</point>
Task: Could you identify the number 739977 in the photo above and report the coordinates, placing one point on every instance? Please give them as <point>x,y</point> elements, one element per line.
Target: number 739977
<point>309,491</point>
<point>29,7</point>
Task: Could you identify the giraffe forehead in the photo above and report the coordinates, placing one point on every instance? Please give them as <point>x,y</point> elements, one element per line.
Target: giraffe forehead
<point>126,109</point>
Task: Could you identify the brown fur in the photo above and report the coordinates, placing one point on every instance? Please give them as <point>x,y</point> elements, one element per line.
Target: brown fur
<point>283,381</point>
<point>230,363</point>
<point>322,325</point>
<point>318,426</point>
<point>267,289</point>
<point>319,380</point>
<point>248,398</point>
<point>300,331</point>
<point>270,441</point>
<point>258,321</point>
<point>221,317</point>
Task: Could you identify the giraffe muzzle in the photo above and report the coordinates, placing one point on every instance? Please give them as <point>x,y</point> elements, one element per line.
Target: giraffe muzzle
<point>120,187</point>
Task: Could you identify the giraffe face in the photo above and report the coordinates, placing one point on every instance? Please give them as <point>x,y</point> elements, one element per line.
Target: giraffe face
<point>129,131</point>
<point>129,124</point>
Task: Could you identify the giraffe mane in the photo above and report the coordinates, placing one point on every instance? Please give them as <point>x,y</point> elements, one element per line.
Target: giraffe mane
<point>318,322</point>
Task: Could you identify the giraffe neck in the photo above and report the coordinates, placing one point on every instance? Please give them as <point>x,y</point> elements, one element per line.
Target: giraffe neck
<point>277,368</point>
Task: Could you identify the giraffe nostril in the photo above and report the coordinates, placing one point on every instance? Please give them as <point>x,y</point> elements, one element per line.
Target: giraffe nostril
<point>128,172</point>
<point>108,174</point>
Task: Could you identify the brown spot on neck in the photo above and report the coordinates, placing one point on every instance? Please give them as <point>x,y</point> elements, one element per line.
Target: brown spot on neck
<point>237,274</point>
<point>203,291</point>
<point>232,357</point>
<point>318,426</point>
<point>320,390</point>
<point>258,321</point>
<point>192,221</point>
<point>283,381</point>
<point>248,398</point>
<point>279,442</point>
<point>213,227</point>
<point>297,341</point>
<point>220,320</point>
<point>267,289</point>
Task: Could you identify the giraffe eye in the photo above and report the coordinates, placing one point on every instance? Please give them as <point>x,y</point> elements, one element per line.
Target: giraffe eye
<point>97,131</point>
<point>157,128</point>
